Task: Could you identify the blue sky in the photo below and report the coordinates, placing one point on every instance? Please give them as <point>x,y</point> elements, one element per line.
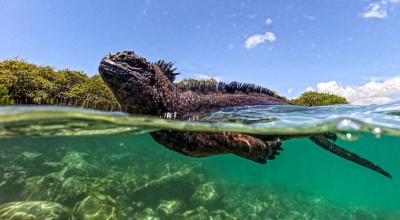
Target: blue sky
<point>291,45</point>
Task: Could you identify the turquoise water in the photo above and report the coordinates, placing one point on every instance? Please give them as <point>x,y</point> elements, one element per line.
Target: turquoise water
<point>102,164</point>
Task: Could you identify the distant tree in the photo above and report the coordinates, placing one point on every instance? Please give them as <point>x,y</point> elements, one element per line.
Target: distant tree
<point>317,99</point>
<point>93,93</point>
<point>25,81</point>
<point>188,81</point>
<point>4,97</point>
<point>65,80</point>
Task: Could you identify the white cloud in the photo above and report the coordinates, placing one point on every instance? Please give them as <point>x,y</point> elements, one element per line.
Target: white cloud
<point>372,92</point>
<point>268,21</point>
<point>378,9</point>
<point>310,17</point>
<point>202,76</point>
<point>257,39</point>
<point>375,10</point>
<point>310,89</point>
<point>252,16</point>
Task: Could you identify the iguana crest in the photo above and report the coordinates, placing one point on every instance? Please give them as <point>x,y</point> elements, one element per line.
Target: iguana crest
<point>168,69</point>
<point>205,86</point>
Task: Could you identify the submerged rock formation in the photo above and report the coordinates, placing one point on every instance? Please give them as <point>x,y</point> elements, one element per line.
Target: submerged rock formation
<point>107,181</point>
<point>35,210</point>
<point>97,206</point>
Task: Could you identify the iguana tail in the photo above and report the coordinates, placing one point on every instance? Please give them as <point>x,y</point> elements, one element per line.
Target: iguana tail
<point>323,142</point>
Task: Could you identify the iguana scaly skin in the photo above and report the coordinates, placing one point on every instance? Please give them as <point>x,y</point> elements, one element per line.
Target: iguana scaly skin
<point>143,87</point>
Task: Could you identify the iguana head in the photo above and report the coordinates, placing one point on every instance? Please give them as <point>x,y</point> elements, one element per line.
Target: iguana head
<point>141,87</point>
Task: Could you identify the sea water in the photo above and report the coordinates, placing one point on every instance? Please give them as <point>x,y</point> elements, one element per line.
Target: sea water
<point>89,164</point>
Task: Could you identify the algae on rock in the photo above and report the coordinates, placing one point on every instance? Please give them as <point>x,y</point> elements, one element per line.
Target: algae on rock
<point>206,194</point>
<point>35,210</point>
<point>96,206</point>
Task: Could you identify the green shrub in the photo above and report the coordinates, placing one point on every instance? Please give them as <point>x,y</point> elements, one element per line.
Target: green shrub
<point>93,93</point>
<point>190,81</point>
<point>317,99</point>
<point>4,97</point>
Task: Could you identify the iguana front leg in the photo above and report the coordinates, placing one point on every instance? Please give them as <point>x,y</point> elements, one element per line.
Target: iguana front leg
<point>202,144</point>
<point>248,146</point>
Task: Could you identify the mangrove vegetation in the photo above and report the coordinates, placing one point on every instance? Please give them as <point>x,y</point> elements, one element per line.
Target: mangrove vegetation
<point>312,98</point>
<point>22,82</point>
<point>26,83</point>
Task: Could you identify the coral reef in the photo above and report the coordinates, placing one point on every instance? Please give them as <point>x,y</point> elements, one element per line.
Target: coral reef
<point>61,179</point>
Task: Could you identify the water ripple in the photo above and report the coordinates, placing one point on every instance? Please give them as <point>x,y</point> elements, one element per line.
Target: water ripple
<point>44,121</point>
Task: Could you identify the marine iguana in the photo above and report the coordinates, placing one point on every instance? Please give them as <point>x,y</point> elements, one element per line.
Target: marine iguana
<point>143,87</point>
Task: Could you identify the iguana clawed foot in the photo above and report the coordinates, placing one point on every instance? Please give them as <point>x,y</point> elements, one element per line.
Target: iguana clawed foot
<point>202,144</point>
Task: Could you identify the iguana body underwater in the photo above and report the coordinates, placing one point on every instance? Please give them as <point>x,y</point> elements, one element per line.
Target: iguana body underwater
<point>143,87</point>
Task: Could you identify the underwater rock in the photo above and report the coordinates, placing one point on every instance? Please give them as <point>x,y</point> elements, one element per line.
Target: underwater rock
<point>200,213</point>
<point>247,210</point>
<point>229,202</point>
<point>206,194</point>
<point>76,165</point>
<point>54,187</point>
<point>222,215</point>
<point>96,206</point>
<point>364,214</point>
<point>53,166</point>
<point>71,190</point>
<point>177,184</point>
<point>11,182</point>
<point>120,159</point>
<point>245,202</point>
<point>293,215</point>
<point>40,187</point>
<point>168,207</point>
<point>31,156</point>
<point>111,184</point>
<point>100,182</point>
<point>35,210</point>
<point>146,214</point>
<point>253,216</point>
